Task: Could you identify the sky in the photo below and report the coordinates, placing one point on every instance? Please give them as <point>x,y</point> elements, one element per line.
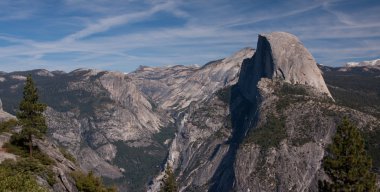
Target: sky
<point>121,35</point>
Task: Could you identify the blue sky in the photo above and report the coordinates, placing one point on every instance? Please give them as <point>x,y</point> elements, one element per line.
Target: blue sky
<point>123,34</point>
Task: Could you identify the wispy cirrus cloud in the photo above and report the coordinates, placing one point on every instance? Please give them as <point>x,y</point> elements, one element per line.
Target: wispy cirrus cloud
<point>10,10</point>
<point>105,24</point>
<point>120,35</point>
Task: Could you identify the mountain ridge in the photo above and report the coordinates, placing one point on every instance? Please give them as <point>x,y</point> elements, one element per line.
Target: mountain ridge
<point>370,63</point>
<point>202,121</point>
<point>99,114</point>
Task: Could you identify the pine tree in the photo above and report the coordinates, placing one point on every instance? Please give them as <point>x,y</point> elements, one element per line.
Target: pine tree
<point>30,114</point>
<point>168,183</point>
<point>347,164</point>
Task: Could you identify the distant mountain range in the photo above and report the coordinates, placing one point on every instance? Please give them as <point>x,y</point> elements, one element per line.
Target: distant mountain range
<point>258,120</point>
<point>372,63</point>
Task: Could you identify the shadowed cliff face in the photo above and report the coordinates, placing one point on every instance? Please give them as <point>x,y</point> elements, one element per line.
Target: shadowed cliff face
<point>282,118</point>
<point>278,56</point>
<point>253,69</point>
<point>250,122</point>
<point>243,116</point>
<point>203,125</point>
<point>243,109</point>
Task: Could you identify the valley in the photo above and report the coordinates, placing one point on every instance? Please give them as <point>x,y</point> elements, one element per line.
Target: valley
<point>258,120</point>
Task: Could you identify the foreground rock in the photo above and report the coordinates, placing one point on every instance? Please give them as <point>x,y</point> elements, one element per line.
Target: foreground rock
<point>4,137</point>
<point>62,167</point>
<point>4,115</point>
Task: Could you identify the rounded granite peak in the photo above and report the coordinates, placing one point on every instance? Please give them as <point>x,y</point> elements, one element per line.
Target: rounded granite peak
<point>281,55</point>
<point>279,35</point>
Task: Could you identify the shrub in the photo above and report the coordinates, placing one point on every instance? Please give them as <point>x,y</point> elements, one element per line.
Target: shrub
<point>18,146</point>
<point>39,164</point>
<point>6,126</point>
<point>89,182</point>
<point>67,155</point>
<point>289,94</point>
<point>289,89</point>
<point>32,167</point>
<point>14,180</point>
<point>270,134</point>
<point>169,183</point>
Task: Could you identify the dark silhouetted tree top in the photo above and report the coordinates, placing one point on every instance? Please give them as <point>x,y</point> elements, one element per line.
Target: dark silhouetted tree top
<point>347,164</point>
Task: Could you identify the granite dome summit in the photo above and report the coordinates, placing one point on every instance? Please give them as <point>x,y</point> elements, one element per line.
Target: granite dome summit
<point>281,55</point>
<point>258,120</point>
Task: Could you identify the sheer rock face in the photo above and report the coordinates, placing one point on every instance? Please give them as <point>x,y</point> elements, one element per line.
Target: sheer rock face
<point>198,98</point>
<point>280,55</point>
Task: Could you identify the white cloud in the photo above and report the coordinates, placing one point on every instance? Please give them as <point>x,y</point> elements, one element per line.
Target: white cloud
<point>208,31</point>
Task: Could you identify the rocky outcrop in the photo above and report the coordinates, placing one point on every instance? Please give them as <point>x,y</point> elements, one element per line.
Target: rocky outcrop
<point>4,115</point>
<point>4,137</point>
<point>291,160</point>
<point>62,167</point>
<point>280,55</point>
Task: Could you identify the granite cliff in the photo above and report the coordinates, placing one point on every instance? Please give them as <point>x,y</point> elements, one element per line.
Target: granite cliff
<point>282,56</point>
<point>258,120</point>
<point>265,133</point>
